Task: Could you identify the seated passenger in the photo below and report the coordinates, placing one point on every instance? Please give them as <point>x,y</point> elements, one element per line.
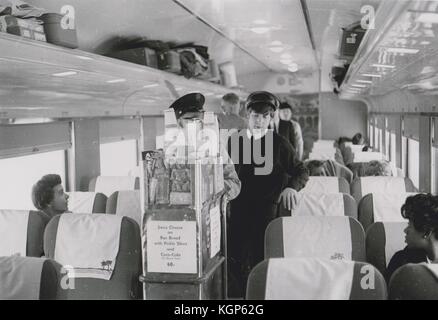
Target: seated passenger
<point>358,139</point>
<point>49,197</point>
<point>300,178</point>
<point>421,233</point>
<point>328,168</point>
<point>378,168</point>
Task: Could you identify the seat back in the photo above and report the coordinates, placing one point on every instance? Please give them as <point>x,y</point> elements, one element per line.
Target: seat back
<point>87,202</point>
<point>108,185</point>
<point>125,203</point>
<point>383,240</point>
<point>29,278</point>
<point>414,282</point>
<point>381,207</point>
<point>361,186</point>
<point>318,237</point>
<point>15,232</point>
<point>124,282</point>
<point>315,279</point>
<point>326,185</point>
<point>324,204</point>
<point>367,156</point>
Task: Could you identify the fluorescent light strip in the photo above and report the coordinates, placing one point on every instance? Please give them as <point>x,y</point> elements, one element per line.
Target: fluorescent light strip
<point>359,85</point>
<point>402,50</point>
<point>383,66</point>
<point>152,85</point>
<point>116,80</point>
<point>65,74</point>
<point>427,17</point>
<point>371,75</point>
<point>364,81</point>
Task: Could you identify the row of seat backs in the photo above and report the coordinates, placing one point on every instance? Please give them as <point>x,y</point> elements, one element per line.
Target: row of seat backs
<point>124,283</point>
<point>110,184</point>
<point>359,187</point>
<point>124,203</point>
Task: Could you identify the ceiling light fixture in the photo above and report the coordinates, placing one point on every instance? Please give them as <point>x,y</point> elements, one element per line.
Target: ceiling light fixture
<point>359,85</point>
<point>260,21</point>
<point>276,49</point>
<point>152,85</point>
<point>364,81</point>
<point>371,75</point>
<point>402,50</point>
<point>383,66</point>
<point>116,80</point>
<point>427,17</point>
<point>260,30</point>
<point>293,67</point>
<point>64,74</point>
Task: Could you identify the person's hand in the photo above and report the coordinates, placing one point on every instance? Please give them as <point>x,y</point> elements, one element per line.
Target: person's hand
<point>289,198</point>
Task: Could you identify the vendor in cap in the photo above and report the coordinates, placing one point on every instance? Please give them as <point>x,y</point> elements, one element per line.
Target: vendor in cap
<point>190,107</point>
<point>265,185</point>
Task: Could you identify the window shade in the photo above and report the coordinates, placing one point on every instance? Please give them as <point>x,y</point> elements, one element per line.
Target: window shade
<point>16,140</point>
<point>119,129</point>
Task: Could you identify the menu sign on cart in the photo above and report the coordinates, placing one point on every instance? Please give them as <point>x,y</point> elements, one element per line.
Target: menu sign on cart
<point>171,246</point>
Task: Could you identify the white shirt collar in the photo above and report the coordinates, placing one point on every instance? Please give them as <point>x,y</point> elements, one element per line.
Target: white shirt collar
<point>257,135</point>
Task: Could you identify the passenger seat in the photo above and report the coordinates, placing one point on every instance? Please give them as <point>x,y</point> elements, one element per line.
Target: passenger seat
<point>381,207</point>
<point>326,185</point>
<point>362,186</point>
<point>323,204</point>
<point>383,240</point>
<point>315,279</point>
<point>414,282</point>
<point>94,233</point>
<point>28,278</point>
<point>87,202</point>
<point>108,185</point>
<point>125,203</point>
<point>14,229</point>
<point>336,238</point>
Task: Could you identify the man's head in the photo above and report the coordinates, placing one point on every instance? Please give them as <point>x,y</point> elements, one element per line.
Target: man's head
<point>230,103</point>
<point>285,111</point>
<point>189,107</point>
<point>48,194</point>
<point>315,167</point>
<point>421,211</point>
<point>261,106</point>
<point>300,177</point>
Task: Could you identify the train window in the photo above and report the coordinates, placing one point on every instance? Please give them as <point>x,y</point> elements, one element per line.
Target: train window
<point>387,144</point>
<point>19,174</point>
<point>413,161</point>
<point>434,170</point>
<point>118,158</point>
<point>392,151</point>
<point>371,136</point>
<point>404,155</point>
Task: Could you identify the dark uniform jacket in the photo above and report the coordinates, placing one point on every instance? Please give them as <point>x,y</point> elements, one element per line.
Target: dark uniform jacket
<point>403,257</point>
<point>256,205</point>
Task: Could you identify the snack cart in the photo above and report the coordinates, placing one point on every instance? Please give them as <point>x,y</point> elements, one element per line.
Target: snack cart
<point>184,221</point>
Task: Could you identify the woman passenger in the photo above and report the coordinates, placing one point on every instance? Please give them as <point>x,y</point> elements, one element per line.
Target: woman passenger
<point>421,236</point>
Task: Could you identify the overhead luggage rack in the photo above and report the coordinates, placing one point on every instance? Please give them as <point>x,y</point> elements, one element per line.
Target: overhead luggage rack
<point>64,83</point>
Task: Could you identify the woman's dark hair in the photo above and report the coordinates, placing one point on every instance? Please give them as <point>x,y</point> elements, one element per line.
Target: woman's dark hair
<point>422,211</point>
<point>357,138</point>
<point>42,191</point>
